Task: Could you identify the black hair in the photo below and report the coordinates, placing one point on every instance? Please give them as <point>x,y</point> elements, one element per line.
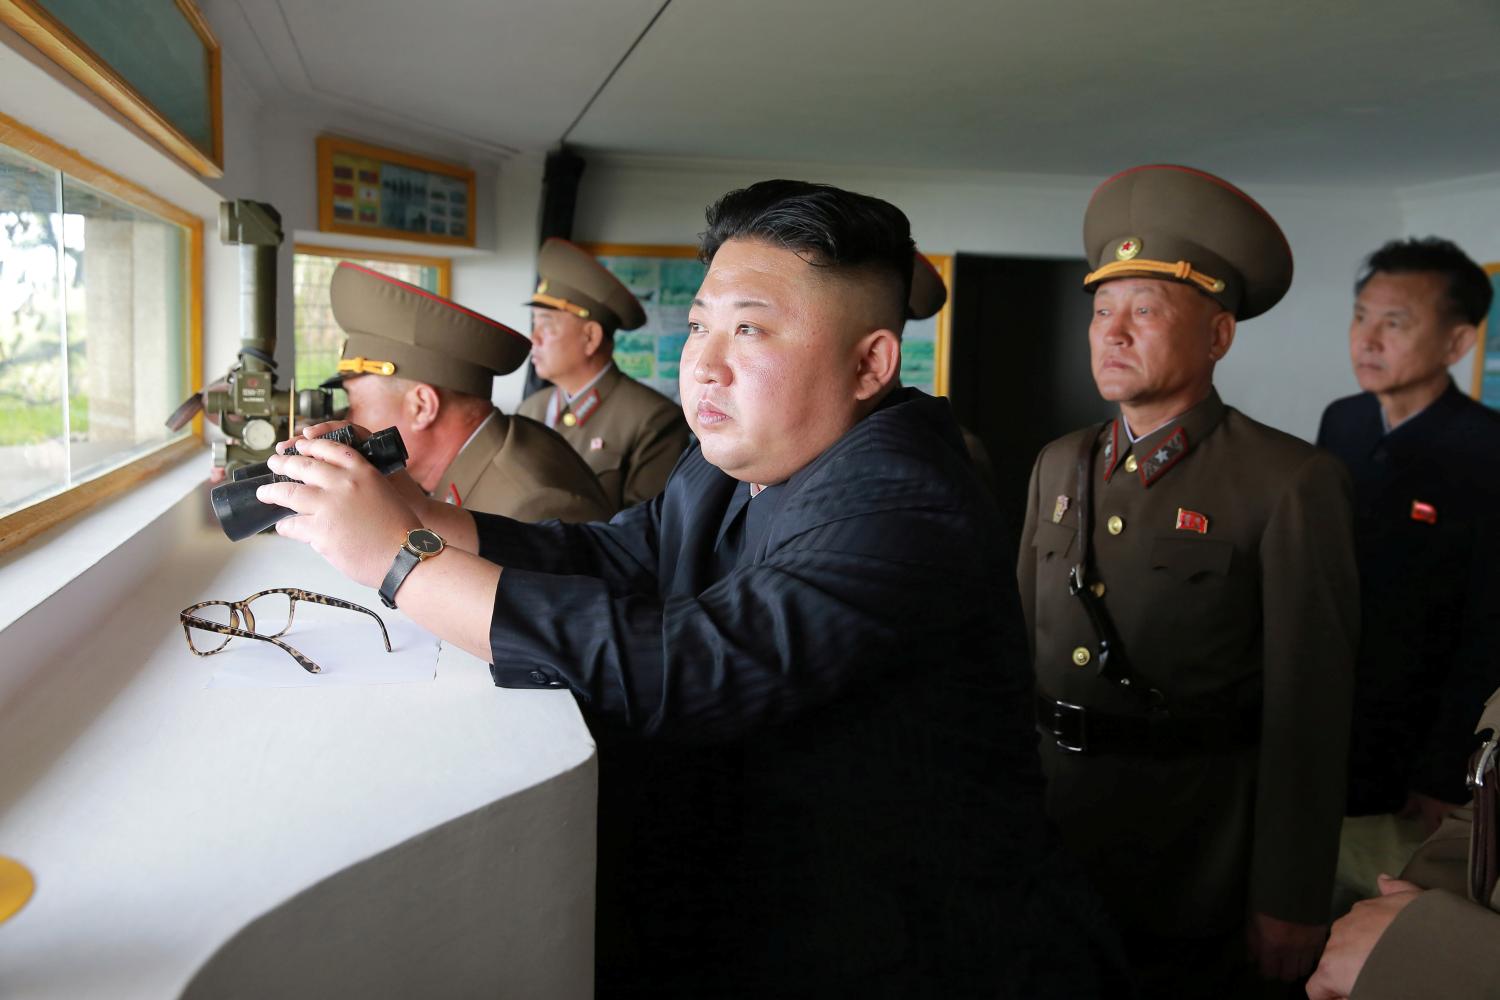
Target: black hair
<point>1469,291</point>
<point>826,226</point>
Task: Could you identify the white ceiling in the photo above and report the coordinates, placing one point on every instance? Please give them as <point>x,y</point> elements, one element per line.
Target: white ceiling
<point>1379,92</point>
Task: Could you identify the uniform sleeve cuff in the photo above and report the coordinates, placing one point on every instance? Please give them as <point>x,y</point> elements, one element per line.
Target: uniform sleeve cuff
<point>1440,944</point>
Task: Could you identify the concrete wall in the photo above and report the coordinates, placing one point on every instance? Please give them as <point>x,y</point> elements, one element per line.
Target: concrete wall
<point>1285,366</point>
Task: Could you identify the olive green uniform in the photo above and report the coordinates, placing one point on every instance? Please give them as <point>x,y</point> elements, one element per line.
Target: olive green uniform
<point>1445,943</point>
<point>628,433</point>
<point>1258,609</point>
<point>509,465</point>
<point>516,467</point>
<point>1206,782</point>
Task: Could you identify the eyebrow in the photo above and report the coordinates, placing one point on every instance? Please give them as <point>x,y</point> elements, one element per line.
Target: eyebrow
<point>738,303</point>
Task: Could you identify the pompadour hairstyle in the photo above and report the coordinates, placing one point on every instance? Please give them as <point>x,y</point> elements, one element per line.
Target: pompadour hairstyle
<point>1469,291</point>
<point>826,226</point>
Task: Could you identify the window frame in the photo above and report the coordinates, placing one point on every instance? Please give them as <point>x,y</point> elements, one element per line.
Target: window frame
<point>444,265</point>
<point>22,525</point>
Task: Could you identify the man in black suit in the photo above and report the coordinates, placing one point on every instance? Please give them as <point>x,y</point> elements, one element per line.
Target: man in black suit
<point>810,687</point>
<point>1425,460</point>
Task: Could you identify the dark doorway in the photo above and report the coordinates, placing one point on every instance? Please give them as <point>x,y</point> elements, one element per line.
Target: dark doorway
<point>1019,374</point>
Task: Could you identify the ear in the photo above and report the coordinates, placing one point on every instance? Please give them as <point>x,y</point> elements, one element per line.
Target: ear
<point>422,405</point>
<point>878,363</point>
<point>1461,340</point>
<point>1221,335</point>
<point>593,337</point>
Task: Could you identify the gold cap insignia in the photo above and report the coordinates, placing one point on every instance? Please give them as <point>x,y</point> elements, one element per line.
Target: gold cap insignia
<point>1129,248</point>
<point>541,287</point>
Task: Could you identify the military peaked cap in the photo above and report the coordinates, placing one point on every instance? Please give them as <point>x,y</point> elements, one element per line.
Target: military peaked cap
<point>1179,224</point>
<point>928,293</point>
<point>572,280</point>
<point>396,328</point>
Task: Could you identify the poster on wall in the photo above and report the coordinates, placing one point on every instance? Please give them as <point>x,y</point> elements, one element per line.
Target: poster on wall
<point>1486,387</point>
<point>665,279</point>
<point>371,191</point>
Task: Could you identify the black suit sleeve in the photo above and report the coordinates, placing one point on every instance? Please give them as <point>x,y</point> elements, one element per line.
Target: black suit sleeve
<point>868,569</point>
<point>1471,676</point>
<point>621,553</point>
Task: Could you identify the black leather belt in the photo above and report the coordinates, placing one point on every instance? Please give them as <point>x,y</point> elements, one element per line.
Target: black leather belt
<point>1084,730</point>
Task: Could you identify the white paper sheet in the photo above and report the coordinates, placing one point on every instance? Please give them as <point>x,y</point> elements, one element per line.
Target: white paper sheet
<point>346,644</point>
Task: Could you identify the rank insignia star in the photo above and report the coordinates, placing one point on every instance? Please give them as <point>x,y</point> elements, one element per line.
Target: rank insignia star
<point>1163,458</point>
<point>1060,508</point>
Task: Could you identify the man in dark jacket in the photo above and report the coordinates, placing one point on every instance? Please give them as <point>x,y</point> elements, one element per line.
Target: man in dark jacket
<point>1423,457</point>
<point>810,687</point>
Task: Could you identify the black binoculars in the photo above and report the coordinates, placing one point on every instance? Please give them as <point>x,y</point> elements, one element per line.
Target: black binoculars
<point>241,515</point>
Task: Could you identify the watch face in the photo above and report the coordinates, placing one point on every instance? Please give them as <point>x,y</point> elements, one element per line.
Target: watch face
<point>424,541</point>
<point>258,435</point>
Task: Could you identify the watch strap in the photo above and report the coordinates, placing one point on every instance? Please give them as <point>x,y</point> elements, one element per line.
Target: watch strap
<point>406,560</point>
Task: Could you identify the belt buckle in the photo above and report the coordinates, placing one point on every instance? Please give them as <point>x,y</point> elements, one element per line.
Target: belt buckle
<point>1070,738</point>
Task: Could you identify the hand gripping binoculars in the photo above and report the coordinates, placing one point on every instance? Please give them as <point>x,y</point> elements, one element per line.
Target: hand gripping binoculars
<point>241,515</point>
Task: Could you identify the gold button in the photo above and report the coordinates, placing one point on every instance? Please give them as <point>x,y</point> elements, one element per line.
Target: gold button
<point>569,419</point>
<point>1116,524</point>
<point>1098,589</point>
<point>1081,656</point>
<point>1130,464</point>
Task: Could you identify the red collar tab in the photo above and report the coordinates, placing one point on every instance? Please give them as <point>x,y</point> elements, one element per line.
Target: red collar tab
<point>1424,512</point>
<point>585,406</point>
<point>1166,455</point>
<point>1112,449</point>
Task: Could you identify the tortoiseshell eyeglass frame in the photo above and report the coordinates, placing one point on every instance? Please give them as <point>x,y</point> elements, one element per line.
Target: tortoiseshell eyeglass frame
<point>239,611</point>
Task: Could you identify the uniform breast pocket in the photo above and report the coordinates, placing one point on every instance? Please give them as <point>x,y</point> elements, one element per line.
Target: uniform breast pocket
<point>604,461</point>
<point>1053,540</point>
<point>1191,559</point>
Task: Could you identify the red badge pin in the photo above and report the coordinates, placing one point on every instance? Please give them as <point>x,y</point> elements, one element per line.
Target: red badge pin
<point>1425,512</point>
<point>1191,520</point>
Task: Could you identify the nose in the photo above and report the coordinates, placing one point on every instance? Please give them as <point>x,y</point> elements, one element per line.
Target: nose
<point>710,366</point>
<point>1366,336</point>
<point>1110,329</point>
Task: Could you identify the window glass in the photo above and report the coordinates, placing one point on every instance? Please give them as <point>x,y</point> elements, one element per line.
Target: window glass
<point>319,339</point>
<point>83,269</point>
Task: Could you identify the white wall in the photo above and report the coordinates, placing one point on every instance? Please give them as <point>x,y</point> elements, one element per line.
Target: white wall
<point>1285,367</point>
<point>494,277</point>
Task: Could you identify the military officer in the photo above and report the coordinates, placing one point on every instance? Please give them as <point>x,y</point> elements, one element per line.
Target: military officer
<point>1426,486</point>
<point>424,364</point>
<point>629,434</point>
<point>1434,932</point>
<point>1188,579</point>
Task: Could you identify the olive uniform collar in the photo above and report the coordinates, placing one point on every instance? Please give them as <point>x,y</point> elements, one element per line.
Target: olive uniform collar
<point>581,408</point>
<point>1154,455</point>
<point>463,473</point>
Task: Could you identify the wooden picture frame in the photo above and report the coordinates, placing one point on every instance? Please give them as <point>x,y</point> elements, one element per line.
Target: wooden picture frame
<point>630,345</point>
<point>65,45</point>
<point>1487,348</point>
<point>364,190</point>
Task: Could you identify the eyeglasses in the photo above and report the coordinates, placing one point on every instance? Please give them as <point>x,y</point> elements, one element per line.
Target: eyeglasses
<point>266,616</point>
